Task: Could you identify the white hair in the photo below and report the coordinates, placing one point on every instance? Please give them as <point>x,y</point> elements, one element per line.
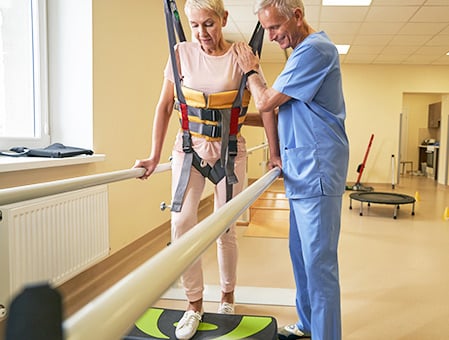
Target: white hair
<point>286,7</point>
<point>216,6</point>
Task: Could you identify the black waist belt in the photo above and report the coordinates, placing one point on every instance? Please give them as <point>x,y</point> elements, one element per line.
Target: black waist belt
<point>213,115</point>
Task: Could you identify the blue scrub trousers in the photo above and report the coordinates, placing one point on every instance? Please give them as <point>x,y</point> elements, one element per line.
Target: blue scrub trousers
<point>313,243</point>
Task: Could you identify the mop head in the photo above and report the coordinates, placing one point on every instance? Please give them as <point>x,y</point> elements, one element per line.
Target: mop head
<point>359,187</point>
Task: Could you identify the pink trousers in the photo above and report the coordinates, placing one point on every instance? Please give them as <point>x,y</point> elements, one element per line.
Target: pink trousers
<point>183,221</point>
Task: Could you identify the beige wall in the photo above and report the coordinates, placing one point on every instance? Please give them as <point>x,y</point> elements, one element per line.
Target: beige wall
<point>374,102</point>
<point>130,52</point>
<point>374,98</point>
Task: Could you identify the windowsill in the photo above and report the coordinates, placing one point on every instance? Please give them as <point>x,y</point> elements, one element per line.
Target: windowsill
<point>29,163</point>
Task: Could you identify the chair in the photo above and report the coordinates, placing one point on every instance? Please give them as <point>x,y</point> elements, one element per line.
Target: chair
<point>404,164</point>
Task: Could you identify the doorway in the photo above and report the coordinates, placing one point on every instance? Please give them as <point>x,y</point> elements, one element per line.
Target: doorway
<point>414,131</point>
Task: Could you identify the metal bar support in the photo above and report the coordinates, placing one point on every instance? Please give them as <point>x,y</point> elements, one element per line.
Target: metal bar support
<point>110,315</point>
<point>27,192</point>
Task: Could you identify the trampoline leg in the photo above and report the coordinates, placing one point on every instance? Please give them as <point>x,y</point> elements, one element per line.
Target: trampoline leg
<point>413,209</point>
<point>350,203</point>
<point>396,207</point>
<point>361,209</point>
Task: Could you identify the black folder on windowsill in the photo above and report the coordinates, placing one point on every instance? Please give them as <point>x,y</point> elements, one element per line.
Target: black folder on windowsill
<point>55,150</point>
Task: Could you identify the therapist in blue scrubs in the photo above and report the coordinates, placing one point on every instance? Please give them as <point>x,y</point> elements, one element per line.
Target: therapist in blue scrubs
<point>314,152</point>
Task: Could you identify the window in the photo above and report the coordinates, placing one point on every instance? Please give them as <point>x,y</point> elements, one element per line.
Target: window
<point>23,74</point>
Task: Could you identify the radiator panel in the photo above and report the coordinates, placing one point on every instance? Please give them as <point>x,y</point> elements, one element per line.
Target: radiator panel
<point>52,238</point>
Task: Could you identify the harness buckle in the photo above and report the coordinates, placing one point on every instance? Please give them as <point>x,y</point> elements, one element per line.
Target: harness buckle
<point>215,115</point>
<point>232,148</point>
<point>186,142</point>
<point>214,131</point>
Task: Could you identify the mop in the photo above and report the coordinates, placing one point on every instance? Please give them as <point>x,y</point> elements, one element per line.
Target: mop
<point>358,186</point>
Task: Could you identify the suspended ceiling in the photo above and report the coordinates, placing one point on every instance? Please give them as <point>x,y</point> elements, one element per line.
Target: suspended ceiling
<point>386,32</point>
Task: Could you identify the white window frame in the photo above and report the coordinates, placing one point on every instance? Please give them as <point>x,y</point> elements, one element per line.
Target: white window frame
<point>70,51</point>
<point>40,83</point>
<point>69,93</point>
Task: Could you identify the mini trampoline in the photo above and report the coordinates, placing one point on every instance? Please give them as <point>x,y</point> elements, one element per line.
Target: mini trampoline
<point>382,198</point>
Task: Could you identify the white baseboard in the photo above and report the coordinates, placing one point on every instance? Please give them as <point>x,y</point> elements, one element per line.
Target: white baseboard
<point>243,295</point>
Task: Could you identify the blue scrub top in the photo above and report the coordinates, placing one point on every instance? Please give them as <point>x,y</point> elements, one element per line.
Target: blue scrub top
<point>313,141</point>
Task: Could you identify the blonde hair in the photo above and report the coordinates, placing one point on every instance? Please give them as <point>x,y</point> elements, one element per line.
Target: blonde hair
<point>286,7</point>
<point>216,6</point>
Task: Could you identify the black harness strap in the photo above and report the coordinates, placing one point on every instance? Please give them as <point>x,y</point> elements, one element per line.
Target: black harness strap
<point>229,123</point>
<point>256,43</point>
<point>172,16</point>
<point>256,40</point>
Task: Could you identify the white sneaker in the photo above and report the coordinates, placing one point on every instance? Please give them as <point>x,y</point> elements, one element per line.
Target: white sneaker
<point>291,332</point>
<point>226,308</point>
<point>188,325</point>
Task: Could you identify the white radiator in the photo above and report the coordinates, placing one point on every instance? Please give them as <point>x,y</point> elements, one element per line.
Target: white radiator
<point>52,238</point>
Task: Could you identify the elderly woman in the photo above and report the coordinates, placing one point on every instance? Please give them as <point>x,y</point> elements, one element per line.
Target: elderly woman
<point>206,65</point>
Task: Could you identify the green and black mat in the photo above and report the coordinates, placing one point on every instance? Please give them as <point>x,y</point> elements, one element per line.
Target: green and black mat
<point>158,324</point>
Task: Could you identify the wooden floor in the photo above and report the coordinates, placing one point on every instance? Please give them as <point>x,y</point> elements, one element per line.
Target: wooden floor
<point>269,214</point>
<point>394,273</point>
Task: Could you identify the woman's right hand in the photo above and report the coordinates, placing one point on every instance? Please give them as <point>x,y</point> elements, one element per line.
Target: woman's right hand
<point>149,164</point>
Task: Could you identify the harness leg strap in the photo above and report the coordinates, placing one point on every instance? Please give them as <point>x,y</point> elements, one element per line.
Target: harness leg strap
<point>229,191</point>
<point>182,183</point>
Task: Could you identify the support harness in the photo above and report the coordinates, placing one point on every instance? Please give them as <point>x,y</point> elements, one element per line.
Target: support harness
<point>219,117</point>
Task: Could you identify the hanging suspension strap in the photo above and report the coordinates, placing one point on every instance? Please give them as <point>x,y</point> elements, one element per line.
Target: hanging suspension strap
<point>172,17</point>
<point>207,116</point>
<point>256,43</point>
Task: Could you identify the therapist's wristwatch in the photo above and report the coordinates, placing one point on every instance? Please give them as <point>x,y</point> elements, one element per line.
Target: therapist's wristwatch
<point>251,72</point>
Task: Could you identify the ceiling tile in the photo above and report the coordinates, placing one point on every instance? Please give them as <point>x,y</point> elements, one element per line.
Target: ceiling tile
<point>432,14</point>
<point>390,14</point>
<point>376,28</point>
<point>386,32</point>
<point>397,2</point>
<point>442,61</point>
<point>339,28</point>
<point>432,51</point>
<point>439,40</point>
<point>421,28</point>
<point>366,49</point>
<point>374,39</point>
<point>407,40</point>
<point>343,14</point>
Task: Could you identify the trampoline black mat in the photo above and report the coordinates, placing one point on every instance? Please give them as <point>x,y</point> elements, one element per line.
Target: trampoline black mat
<point>382,197</point>
<point>390,198</point>
<point>158,324</point>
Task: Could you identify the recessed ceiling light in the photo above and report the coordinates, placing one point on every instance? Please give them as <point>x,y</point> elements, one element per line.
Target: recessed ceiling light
<point>343,49</point>
<point>346,2</point>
